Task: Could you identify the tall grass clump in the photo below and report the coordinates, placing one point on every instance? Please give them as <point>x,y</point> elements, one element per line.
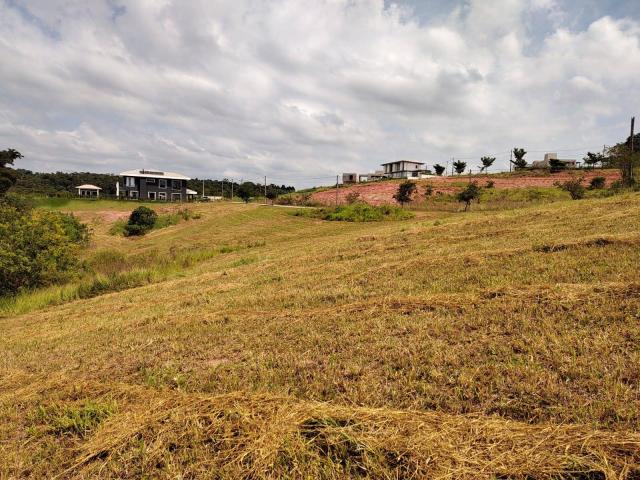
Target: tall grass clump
<point>357,212</point>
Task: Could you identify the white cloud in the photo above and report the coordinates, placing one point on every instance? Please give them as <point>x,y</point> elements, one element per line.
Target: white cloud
<point>302,89</point>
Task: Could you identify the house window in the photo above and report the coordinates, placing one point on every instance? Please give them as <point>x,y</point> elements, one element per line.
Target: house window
<point>162,183</point>
<point>162,195</point>
<point>152,195</point>
<point>175,185</point>
<point>133,194</point>
<point>176,197</point>
<point>130,181</point>
<point>151,180</point>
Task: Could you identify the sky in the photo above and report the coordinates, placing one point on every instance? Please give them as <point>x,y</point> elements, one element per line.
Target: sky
<point>303,90</point>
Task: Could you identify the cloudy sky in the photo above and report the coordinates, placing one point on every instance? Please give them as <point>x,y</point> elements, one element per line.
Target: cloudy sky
<point>300,90</point>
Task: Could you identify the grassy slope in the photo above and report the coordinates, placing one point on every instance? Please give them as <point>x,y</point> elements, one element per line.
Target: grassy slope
<point>471,345</point>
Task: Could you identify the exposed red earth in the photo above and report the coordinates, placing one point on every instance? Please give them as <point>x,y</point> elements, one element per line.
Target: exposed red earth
<point>379,193</point>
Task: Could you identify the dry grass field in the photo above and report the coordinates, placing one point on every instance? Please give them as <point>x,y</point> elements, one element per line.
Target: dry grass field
<point>488,344</point>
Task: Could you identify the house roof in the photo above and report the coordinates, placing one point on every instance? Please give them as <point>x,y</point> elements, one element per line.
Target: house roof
<point>405,161</point>
<point>191,192</point>
<point>152,173</point>
<point>88,187</point>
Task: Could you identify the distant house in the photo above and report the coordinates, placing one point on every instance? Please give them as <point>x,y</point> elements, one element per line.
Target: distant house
<point>88,191</point>
<point>372,177</point>
<point>153,185</point>
<point>349,178</point>
<point>546,163</point>
<point>191,194</point>
<point>403,169</point>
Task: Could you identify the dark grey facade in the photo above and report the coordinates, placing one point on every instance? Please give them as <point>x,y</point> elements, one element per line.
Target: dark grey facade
<point>153,188</point>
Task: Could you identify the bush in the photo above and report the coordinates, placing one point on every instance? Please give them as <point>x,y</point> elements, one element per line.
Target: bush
<point>37,248</point>
<point>358,212</point>
<point>574,187</point>
<point>471,192</point>
<point>405,192</point>
<point>597,183</point>
<point>142,220</point>
<point>490,184</point>
<point>353,197</point>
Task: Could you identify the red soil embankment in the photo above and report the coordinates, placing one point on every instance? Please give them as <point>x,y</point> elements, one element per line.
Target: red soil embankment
<point>378,193</point>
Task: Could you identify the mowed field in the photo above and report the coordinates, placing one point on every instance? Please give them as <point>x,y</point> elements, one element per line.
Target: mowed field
<point>379,193</point>
<point>488,344</point>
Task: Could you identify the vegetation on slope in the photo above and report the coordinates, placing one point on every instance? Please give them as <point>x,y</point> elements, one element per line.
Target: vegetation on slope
<point>356,212</point>
<point>37,248</point>
<point>477,345</point>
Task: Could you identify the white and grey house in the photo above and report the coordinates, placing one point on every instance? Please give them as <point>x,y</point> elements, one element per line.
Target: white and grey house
<point>403,169</point>
<point>154,185</point>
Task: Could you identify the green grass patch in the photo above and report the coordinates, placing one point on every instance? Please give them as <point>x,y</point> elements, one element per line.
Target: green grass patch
<point>78,420</point>
<point>358,212</point>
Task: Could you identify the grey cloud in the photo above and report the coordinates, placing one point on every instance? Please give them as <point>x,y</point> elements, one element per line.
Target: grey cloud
<point>302,90</point>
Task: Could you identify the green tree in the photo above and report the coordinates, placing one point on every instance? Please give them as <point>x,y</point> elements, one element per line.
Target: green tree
<point>245,191</point>
<point>556,165</point>
<point>7,176</point>
<point>592,159</point>
<point>272,194</point>
<point>519,161</point>
<point>470,193</point>
<point>626,160</point>
<point>405,192</point>
<point>439,169</point>
<point>459,166</point>
<point>486,163</point>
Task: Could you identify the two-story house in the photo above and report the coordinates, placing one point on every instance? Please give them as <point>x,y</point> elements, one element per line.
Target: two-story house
<point>403,169</point>
<point>153,185</point>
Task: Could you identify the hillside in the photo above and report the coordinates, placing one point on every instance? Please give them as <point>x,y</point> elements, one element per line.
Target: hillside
<point>379,193</point>
<point>501,344</point>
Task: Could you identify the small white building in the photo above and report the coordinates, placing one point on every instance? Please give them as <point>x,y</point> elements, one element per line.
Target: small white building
<point>191,194</point>
<point>88,190</point>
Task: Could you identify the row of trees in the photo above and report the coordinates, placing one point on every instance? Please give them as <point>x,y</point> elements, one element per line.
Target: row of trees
<point>591,160</point>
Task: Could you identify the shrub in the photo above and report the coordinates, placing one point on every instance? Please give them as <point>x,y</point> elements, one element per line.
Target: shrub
<point>428,190</point>
<point>470,193</point>
<point>141,220</point>
<point>490,184</point>
<point>353,197</point>
<point>597,183</point>
<point>574,187</point>
<point>37,248</point>
<point>405,192</point>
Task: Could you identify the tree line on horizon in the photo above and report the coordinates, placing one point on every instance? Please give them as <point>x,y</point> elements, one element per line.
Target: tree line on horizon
<point>62,184</point>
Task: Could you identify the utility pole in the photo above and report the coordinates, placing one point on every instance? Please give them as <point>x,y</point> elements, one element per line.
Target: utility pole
<point>337,177</point>
<point>510,160</point>
<point>633,123</point>
<point>232,189</point>
<point>202,188</point>
<point>222,189</point>
<point>265,190</point>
